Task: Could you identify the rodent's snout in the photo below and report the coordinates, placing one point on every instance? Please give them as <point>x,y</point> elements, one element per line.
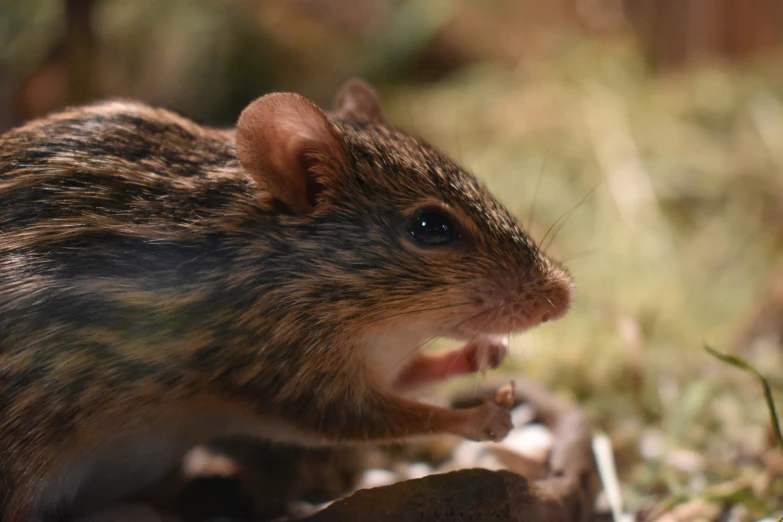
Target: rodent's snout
<point>558,294</point>
<point>550,303</point>
<point>521,303</point>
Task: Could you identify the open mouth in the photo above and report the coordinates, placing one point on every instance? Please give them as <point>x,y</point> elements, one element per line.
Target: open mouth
<point>489,327</point>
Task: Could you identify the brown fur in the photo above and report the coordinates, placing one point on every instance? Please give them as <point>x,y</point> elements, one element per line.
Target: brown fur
<point>145,277</point>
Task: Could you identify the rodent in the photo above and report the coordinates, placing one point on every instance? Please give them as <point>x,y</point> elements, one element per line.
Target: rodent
<point>164,282</point>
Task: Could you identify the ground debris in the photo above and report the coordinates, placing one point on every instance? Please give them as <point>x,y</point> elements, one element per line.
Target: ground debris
<point>563,488</point>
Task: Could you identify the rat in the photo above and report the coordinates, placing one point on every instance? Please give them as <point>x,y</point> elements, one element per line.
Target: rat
<point>164,283</point>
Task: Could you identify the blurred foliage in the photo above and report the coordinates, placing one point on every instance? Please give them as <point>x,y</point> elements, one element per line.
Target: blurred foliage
<point>664,191</point>
<point>674,247</point>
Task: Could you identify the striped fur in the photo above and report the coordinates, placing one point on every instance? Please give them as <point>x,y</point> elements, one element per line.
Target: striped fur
<point>145,278</point>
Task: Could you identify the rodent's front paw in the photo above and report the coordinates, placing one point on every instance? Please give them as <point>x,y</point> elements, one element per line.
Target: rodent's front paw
<point>492,420</point>
<point>486,352</point>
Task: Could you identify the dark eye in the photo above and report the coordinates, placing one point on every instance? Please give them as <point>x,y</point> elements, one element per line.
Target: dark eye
<point>432,227</point>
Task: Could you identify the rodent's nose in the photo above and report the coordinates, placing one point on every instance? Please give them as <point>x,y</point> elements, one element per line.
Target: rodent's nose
<point>555,301</point>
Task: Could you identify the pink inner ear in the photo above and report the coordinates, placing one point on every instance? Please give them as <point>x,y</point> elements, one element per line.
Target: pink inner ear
<point>281,139</point>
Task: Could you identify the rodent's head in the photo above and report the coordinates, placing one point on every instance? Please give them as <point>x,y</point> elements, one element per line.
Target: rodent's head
<point>404,239</point>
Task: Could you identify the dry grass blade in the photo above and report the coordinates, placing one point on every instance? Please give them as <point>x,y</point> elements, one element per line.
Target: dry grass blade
<point>602,449</point>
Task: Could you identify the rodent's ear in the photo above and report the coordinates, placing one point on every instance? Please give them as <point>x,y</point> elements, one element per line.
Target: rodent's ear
<point>357,100</point>
<point>289,147</point>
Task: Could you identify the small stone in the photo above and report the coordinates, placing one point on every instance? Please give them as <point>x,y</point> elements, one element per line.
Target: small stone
<point>373,478</point>
<point>301,509</point>
<point>490,462</point>
<point>418,470</point>
<point>200,462</point>
<point>466,455</point>
<point>522,414</point>
<point>533,442</point>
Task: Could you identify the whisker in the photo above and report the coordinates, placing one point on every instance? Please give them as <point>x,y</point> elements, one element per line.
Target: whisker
<point>460,156</point>
<point>510,346</point>
<point>535,192</point>
<point>476,383</point>
<point>475,388</point>
<point>535,344</point>
<point>521,345</point>
<point>418,310</point>
<point>414,350</point>
<point>508,338</point>
<point>513,327</point>
<point>566,214</point>
<point>549,301</point>
<point>480,330</point>
<point>579,254</point>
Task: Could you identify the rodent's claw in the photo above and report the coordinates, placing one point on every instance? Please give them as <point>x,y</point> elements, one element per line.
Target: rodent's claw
<point>505,396</point>
<point>486,352</point>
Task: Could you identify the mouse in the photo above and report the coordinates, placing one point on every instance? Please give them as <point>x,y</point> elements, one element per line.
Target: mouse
<point>164,283</point>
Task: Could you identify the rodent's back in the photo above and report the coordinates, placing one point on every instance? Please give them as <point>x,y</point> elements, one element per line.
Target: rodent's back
<point>115,190</point>
<point>128,163</point>
<point>111,215</point>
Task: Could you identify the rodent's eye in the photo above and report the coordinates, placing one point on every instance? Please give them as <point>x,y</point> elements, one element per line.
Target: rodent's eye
<point>432,227</point>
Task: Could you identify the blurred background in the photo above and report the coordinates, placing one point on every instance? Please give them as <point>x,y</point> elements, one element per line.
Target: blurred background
<point>646,136</point>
